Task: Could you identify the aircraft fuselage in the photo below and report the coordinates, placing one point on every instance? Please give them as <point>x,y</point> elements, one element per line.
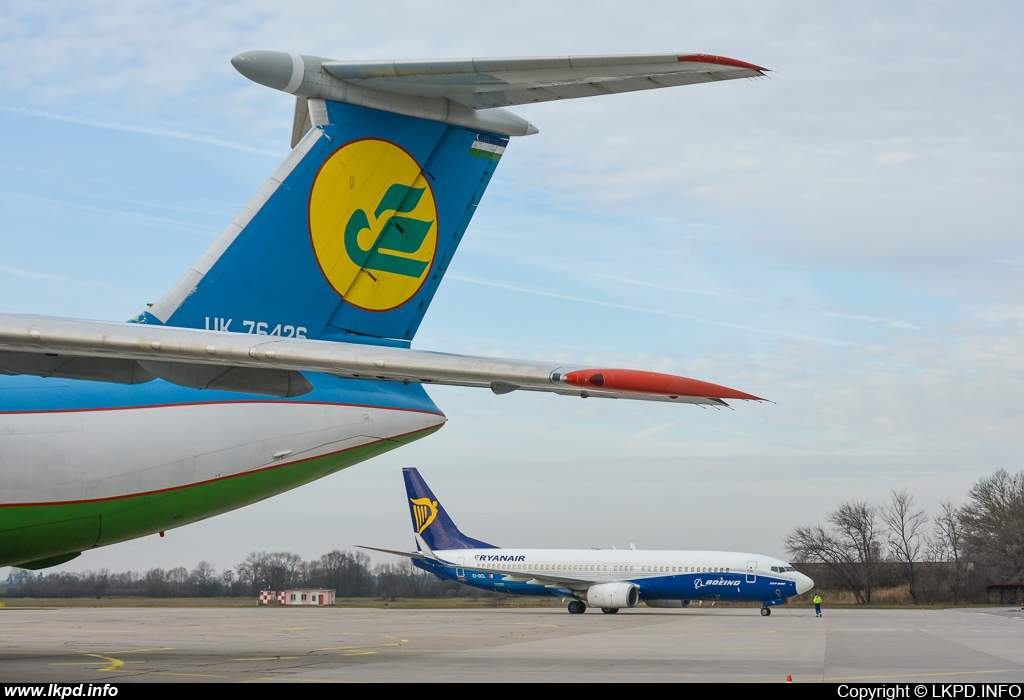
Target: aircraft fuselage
<point>86,464</point>
<point>664,577</point>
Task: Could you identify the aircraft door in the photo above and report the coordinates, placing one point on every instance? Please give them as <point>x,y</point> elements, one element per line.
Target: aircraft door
<point>460,572</point>
<point>751,572</point>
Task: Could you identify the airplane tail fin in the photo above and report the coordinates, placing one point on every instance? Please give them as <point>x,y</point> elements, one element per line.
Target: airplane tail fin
<point>349,238</point>
<point>430,521</point>
<point>351,235</point>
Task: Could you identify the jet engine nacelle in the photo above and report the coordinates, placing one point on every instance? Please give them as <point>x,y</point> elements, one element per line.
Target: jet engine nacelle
<point>667,603</point>
<point>614,595</point>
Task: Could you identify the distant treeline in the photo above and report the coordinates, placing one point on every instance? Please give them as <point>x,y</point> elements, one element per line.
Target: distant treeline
<point>862,548</point>
<point>349,574</point>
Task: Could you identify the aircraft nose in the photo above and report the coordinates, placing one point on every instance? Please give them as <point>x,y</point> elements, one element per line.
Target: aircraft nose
<point>803,583</point>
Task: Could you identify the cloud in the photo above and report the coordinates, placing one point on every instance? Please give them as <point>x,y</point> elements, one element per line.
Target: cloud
<point>120,214</point>
<point>149,130</point>
<point>50,277</point>
<point>638,309</point>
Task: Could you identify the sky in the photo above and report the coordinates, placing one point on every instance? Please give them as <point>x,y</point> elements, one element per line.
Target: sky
<point>842,237</point>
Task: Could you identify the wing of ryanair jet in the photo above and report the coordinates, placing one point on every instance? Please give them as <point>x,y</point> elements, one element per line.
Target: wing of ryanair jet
<point>549,580</point>
<point>133,353</point>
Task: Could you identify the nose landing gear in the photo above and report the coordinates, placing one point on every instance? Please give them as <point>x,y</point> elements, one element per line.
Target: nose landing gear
<point>766,612</point>
<point>577,607</point>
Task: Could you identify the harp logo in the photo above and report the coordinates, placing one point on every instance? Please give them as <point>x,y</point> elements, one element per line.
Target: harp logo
<point>424,511</point>
<point>373,224</point>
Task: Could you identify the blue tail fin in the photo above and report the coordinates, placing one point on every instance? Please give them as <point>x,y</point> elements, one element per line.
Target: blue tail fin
<point>430,520</point>
<point>349,238</point>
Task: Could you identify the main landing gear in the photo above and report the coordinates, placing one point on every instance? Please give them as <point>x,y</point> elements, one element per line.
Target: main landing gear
<point>577,607</point>
<point>609,611</point>
<point>765,612</point>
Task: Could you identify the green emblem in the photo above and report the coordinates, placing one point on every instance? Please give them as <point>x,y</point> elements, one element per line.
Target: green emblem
<point>399,234</point>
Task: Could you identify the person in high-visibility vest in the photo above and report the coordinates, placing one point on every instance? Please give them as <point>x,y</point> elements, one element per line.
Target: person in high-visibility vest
<point>817,605</point>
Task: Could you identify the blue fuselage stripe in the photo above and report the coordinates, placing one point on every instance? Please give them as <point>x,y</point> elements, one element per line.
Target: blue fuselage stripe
<point>697,586</point>
<point>28,394</point>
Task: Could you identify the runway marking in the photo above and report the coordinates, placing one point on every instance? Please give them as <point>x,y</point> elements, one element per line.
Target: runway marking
<point>295,629</point>
<point>267,658</point>
<point>114,663</point>
<point>359,653</point>
<point>891,675</point>
<point>86,663</point>
<point>138,651</point>
<point>537,624</point>
<point>287,679</point>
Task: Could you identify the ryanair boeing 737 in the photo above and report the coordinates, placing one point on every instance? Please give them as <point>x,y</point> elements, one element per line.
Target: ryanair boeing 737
<point>609,579</point>
<point>283,355</point>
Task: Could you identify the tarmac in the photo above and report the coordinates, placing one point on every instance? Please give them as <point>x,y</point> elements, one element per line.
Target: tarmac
<point>120,645</point>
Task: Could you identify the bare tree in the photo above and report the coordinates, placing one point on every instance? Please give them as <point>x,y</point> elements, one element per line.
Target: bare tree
<point>204,579</point>
<point>994,521</point>
<point>348,573</point>
<point>252,572</point>
<point>949,545</point>
<point>177,580</point>
<point>905,525</point>
<point>849,547</point>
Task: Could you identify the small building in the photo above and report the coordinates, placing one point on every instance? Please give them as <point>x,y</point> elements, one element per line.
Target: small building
<point>1013,588</point>
<point>298,596</point>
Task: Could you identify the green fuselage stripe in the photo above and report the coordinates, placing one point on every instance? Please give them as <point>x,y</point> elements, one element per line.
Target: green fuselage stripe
<point>33,532</point>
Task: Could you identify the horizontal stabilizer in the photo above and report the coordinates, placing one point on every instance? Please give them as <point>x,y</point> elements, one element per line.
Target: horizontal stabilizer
<point>150,344</point>
<point>482,83</point>
<point>408,555</point>
<point>473,92</point>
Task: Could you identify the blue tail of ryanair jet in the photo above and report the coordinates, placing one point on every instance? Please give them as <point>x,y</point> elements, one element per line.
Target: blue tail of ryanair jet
<point>430,520</point>
<point>349,238</point>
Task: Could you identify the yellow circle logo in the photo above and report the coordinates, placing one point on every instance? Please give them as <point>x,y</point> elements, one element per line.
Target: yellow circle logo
<point>373,223</point>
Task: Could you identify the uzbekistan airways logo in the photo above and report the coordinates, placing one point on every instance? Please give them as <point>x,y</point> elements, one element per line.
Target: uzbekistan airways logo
<point>424,511</point>
<point>373,224</point>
